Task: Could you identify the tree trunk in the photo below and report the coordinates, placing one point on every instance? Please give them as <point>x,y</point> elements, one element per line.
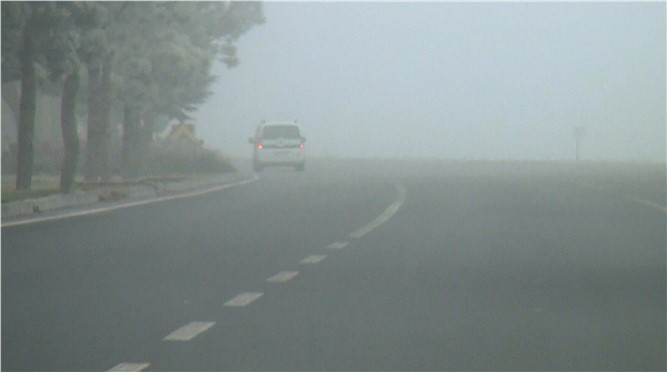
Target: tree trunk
<point>147,132</point>
<point>98,155</point>
<point>132,157</point>
<point>12,96</point>
<point>26,127</point>
<point>70,135</point>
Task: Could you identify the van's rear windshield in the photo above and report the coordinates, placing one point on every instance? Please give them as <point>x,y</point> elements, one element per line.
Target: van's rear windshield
<point>280,131</point>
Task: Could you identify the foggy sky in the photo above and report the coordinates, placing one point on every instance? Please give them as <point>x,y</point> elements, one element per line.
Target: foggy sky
<point>450,80</point>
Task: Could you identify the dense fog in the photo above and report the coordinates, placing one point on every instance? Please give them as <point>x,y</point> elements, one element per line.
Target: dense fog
<point>450,80</point>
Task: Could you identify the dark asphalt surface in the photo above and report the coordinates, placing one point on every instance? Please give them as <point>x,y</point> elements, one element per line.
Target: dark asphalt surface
<point>500,266</point>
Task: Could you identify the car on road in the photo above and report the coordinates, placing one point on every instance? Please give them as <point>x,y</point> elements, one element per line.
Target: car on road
<point>278,144</point>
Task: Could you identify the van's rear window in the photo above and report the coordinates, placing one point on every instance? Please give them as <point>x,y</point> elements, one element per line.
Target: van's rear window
<point>280,131</point>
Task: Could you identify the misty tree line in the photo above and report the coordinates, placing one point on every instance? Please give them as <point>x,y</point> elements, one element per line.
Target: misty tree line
<point>141,59</point>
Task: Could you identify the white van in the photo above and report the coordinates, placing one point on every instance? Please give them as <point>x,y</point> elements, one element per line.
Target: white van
<point>278,143</point>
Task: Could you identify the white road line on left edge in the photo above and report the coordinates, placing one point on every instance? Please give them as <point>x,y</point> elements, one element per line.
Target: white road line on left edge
<point>385,216</point>
<point>282,276</point>
<point>189,331</point>
<point>244,299</point>
<point>130,367</point>
<point>105,209</point>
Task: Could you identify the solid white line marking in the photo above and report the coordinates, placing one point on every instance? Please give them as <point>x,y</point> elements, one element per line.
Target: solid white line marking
<point>650,204</point>
<point>127,205</point>
<point>282,276</point>
<point>337,245</point>
<point>634,199</point>
<point>243,299</point>
<point>188,332</point>
<point>311,260</point>
<point>130,367</point>
<point>385,216</point>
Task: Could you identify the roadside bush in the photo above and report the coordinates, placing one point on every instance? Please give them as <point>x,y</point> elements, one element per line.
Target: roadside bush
<point>210,161</point>
<point>167,160</point>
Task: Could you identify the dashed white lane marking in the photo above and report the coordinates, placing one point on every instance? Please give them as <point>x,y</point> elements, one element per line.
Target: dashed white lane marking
<point>385,216</point>
<point>634,199</point>
<point>337,245</point>
<point>127,205</point>
<point>282,276</point>
<point>130,367</point>
<point>189,331</point>
<point>311,260</point>
<point>244,299</point>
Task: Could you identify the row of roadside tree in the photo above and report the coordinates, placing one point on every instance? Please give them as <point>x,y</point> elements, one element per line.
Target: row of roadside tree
<point>132,60</point>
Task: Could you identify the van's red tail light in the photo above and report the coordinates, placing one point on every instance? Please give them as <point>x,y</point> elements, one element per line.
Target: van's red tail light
<point>260,146</point>
<point>301,146</point>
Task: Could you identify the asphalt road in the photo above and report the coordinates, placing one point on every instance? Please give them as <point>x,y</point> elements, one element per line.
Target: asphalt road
<point>374,265</point>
